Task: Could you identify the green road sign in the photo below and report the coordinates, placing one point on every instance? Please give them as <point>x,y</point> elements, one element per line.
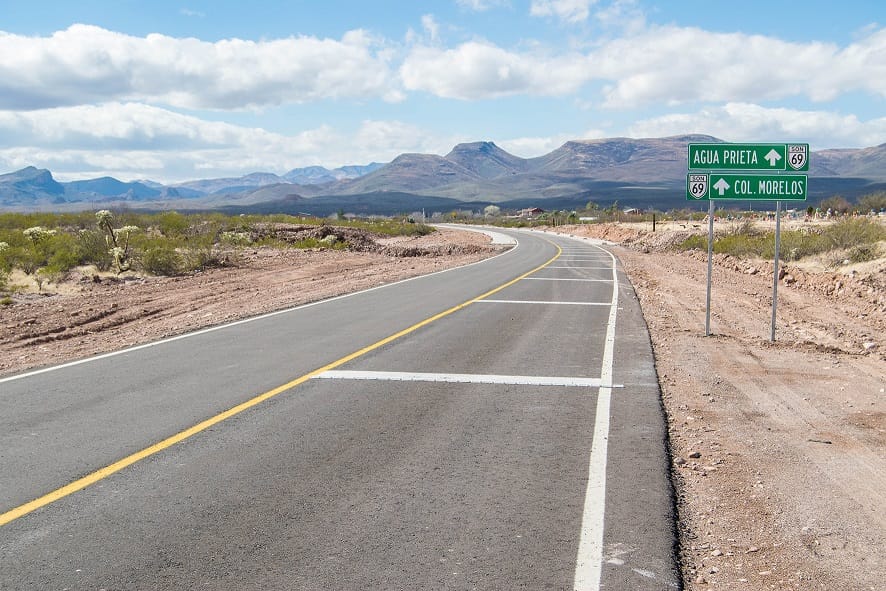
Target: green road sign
<point>762,187</point>
<point>773,157</point>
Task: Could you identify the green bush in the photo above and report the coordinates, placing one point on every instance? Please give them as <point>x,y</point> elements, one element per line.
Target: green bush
<point>320,243</point>
<point>854,232</point>
<point>173,224</point>
<point>161,259</point>
<point>92,249</point>
<point>27,259</point>
<point>694,242</point>
<point>741,245</point>
<point>863,253</point>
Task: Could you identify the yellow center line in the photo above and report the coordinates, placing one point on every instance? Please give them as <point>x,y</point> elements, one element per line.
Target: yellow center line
<point>129,460</point>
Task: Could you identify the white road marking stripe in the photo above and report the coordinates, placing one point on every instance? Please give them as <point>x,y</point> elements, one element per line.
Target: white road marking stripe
<point>460,378</point>
<point>541,302</point>
<point>580,267</point>
<point>589,558</point>
<point>567,279</point>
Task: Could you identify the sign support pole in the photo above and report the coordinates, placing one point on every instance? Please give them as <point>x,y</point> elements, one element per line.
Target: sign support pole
<point>707,320</point>
<point>775,269</point>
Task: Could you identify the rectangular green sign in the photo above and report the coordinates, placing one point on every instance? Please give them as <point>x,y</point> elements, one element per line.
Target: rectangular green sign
<point>761,187</point>
<point>772,157</point>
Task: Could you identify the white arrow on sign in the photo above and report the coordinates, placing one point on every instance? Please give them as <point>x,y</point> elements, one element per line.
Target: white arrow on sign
<point>722,186</point>
<point>773,157</point>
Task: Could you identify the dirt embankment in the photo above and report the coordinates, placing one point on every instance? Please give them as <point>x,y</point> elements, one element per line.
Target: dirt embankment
<point>779,449</point>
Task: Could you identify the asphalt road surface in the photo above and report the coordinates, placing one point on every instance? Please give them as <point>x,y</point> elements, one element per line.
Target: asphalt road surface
<point>496,426</point>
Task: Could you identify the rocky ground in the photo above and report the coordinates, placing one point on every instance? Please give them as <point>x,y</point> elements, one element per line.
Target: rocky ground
<point>779,449</point>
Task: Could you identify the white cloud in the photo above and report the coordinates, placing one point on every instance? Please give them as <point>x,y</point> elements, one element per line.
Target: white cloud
<point>480,70</point>
<point>661,65</point>
<point>571,11</point>
<point>745,122</point>
<point>430,26</point>
<point>87,64</point>
<point>674,65</point>
<point>625,15</point>
<point>480,5</point>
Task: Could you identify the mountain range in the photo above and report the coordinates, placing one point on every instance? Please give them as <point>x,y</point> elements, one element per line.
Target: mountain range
<point>638,172</point>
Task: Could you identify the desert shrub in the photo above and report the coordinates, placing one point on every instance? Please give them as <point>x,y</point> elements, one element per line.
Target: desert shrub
<point>201,258</point>
<point>306,243</point>
<point>234,238</point>
<point>49,274</point>
<point>173,224</point>
<point>863,253</point>
<point>161,259</point>
<point>92,249</point>
<point>741,245</point>
<point>26,259</point>
<point>872,202</point>
<point>390,227</point>
<point>796,245</point>
<point>836,203</point>
<point>854,232</point>
<point>4,260</point>
<point>742,227</point>
<point>694,242</point>
<point>63,259</point>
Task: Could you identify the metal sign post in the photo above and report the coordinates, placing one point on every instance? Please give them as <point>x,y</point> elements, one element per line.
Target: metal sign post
<point>775,269</point>
<point>707,318</point>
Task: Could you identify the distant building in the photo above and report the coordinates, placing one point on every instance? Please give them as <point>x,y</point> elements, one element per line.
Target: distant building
<point>531,212</point>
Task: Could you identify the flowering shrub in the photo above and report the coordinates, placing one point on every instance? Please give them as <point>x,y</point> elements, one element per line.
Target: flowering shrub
<point>236,238</point>
<point>4,265</point>
<point>117,239</point>
<point>38,234</point>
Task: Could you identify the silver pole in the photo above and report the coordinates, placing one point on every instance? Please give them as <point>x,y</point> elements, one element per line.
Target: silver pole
<point>707,320</point>
<point>775,269</point>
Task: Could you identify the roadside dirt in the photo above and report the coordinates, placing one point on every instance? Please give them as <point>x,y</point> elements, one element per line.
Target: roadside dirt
<point>779,449</point>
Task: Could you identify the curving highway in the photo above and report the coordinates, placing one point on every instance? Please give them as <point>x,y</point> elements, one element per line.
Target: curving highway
<point>496,426</point>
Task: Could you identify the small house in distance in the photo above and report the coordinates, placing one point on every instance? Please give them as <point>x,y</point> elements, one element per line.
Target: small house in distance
<point>531,212</point>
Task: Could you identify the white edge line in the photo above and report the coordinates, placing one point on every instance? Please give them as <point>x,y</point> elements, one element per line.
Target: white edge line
<point>543,302</point>
<point>460,378</point>
<point>567,279</point>
<point>203,331</point>
<point>589,558</point>
<point>578,267</point>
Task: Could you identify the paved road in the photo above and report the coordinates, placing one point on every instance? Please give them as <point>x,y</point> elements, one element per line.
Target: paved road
<point>476,449</point>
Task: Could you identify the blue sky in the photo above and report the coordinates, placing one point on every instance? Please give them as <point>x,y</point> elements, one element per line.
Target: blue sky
<point>172,91</point>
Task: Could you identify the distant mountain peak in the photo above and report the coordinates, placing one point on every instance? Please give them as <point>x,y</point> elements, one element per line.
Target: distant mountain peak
<point>32,181</point>
<point>486,160</point>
